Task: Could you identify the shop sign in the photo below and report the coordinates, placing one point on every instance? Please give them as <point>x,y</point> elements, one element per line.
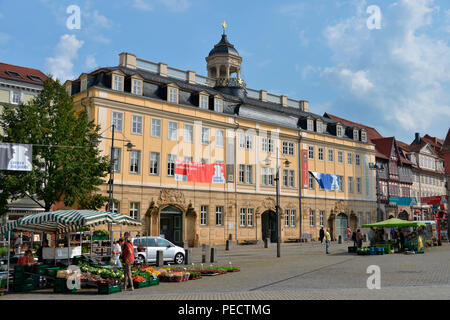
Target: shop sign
<point>400,201</point>
<point>305,171</point>
<point>434,200</point>
<point>15,157</point>
<point>199,172</point>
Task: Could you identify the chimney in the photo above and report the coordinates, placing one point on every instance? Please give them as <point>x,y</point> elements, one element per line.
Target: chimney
<point>417,140</point>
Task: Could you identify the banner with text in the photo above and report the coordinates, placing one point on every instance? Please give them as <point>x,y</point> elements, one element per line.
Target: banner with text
<point>305,171</point>
<point>199,172</point>
<point>15,157</point>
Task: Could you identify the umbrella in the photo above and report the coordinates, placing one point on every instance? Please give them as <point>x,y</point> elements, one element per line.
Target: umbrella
<point>66,220</point>
<point>394,222</point>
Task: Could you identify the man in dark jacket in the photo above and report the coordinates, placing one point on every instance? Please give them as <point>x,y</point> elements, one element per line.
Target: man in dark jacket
<point>321,235</point>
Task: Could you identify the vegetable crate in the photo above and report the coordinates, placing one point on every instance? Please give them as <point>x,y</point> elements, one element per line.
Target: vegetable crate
<point>60,286</point>
<point>51,272</point>
<point>154,282</point>
<point>107,289</point>
<point>141,284</point>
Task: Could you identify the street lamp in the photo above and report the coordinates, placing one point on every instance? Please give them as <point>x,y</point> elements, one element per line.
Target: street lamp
<point>129,146</point>
<point>277,207</point>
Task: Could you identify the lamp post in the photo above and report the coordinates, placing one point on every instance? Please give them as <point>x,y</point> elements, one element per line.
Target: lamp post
<point>277,207</point>
<point>129,146</point>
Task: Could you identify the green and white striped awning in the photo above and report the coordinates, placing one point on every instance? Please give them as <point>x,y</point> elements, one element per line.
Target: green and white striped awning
<point>66,221</point>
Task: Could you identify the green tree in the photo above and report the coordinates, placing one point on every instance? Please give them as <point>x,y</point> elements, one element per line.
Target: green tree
<point>66,166</point>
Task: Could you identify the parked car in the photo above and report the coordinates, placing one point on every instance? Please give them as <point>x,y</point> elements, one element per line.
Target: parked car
<point>147,246</point>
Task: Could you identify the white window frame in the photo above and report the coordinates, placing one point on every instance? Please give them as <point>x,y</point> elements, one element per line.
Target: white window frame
<point>293,217</point>
<point>350,184</point>
<point>136,124</point>
<point>320,153</point>
<point>310,125</point>
<point>204,215</point>
<point>138,86</point>
<point>205,136</point>
<point>188,133</point>
<point>172,131</point>
<point>319,126</point>
<point>218,105</point>
<point>116,81</point>
<point>83,84</point>
<point>350,158</point>
<point>154,164</point>
<point>220,138</point>
<point>219,215</point>
<point>243,217</point>
<point>203,102</point>
<point>117,121</point>
<point>171,158</point>
<point>156,123</point>
<point>357,159</point>
<point>340,157</point>
<point>135,210</point>
<point>311,152</point>
<point>286,217</point>
<point>321,217</point>
<point>250,217</point>
<point>330,155</point>
<point>117,159</point>
<point>249,174</point>
<point>363,136</point>
<point>355,134</point>
<point>358,185</point>
<point>339,131</point>
<point>172,94</point>
<point>312,218</point>
<point>135,161</point>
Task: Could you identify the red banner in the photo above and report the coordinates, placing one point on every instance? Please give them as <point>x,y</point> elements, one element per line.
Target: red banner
<point>305,171</point>
<point>199,172</point>
<point>434,200</point>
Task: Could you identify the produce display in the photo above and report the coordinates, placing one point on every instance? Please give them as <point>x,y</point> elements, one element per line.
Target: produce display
<point>103,272</point>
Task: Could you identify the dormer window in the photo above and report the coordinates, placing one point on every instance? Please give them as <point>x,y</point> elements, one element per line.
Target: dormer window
<point>83,84</point>
<point>339,131</point>
<point>136,86</point>
<point>218,105</point>
<point>14,74</point>
<point>117,83</point>
<point>319,126</point>
<point>355,134</point>
<point>363,136</point>
<point>172,94</point>
<point>203,104</point>
<point>310,125</point>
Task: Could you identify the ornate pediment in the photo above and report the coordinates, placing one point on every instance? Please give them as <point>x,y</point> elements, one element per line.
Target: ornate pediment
<point>268,203</point>
<point>171,197</point>
<point>340,207</point>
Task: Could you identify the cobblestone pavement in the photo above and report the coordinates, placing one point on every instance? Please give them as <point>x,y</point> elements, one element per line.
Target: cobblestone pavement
<point>303,271</point>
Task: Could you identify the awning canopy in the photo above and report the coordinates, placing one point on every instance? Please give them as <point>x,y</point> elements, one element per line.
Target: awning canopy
<point>394,222</point>
<point>66,220</point>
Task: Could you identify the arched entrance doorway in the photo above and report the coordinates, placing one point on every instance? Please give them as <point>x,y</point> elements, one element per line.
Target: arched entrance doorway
<point>403,215</point>
<point>341,225</point>
<point>269,225</point>
<point>171,224</point>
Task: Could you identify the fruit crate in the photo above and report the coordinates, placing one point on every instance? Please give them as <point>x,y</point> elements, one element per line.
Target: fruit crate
<point>51,272</point>
<point>60,286</point>
<point>141,284</point>
<point>107,289</point>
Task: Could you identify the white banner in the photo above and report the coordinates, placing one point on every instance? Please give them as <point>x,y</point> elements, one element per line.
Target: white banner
<point>15,157</point>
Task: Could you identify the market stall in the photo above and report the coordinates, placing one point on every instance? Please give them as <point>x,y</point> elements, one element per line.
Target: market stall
<point>413,239</point>
<point>28,275</point>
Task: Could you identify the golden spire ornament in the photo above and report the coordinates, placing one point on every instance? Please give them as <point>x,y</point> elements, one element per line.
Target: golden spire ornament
<point>224,26</point>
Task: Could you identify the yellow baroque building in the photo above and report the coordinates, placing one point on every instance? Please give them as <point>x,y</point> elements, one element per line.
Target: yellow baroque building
<point>203,166</point>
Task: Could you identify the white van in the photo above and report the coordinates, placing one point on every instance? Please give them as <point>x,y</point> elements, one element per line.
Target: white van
<point>147,247</point>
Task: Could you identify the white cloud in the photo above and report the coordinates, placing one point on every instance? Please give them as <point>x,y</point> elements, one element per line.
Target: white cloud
<point>90,62</point>
<point>171,5</point>
<point>401,72</point>
<point>61,64</point>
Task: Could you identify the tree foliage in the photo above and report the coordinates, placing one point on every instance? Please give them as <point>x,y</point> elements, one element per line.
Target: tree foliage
<point>66,166</point>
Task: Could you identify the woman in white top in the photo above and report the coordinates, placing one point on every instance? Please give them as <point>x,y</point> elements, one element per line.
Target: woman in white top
<point>117,251</point>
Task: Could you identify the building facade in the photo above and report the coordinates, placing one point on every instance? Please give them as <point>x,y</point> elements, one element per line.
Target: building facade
<point>181,124</point>
<point>19,85</point>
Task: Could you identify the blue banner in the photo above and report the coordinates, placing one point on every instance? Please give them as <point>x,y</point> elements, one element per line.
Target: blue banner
<point>401,201</point>
<point>326,181</point>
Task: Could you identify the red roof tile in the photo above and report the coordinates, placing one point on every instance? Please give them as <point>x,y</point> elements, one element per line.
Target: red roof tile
<point>23,72</point>
<point>446,144</point>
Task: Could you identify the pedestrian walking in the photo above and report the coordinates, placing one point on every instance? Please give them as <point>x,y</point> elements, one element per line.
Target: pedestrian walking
<point>402,241</point>
<point>117,252</point>
<point>128,257</point>
<point>348,233</point>
<point>327,240</point>
<point>321,235</point>
<point>371,236</point>
<point>355,243</point>
<point>359,238</point>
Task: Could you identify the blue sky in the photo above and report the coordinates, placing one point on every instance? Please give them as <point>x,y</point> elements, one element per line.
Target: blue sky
<point>396,78</point>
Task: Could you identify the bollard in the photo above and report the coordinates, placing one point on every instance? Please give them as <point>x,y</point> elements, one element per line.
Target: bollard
<point>213,255</point>
<point>266,242</point>
<point>159,258</point>
<point>185,245</point>
<point>227,245</point>
<point>206,254</point>
<point>188,256</point>
<point>340,239</point>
